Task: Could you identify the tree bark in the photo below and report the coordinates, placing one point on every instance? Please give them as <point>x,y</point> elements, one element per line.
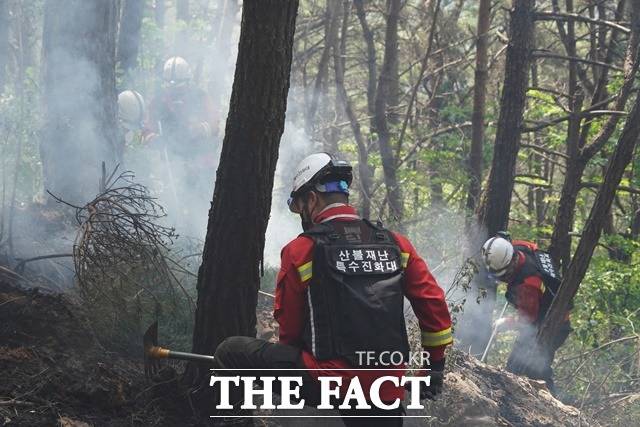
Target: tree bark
<point>159,12</point>
<point>4,42</point>
<point>79,97</point>
<point>372,70</point>
<point>618,161</point>
<point>479,104</point>
<point>579,154</point>
<point>182,10</point>
<point>393,74</point>
<point>365,174</point>
<point>494,211</point>
<point>331,28</point>
<point>129,35</point>
<point>394,194</point>
<point>228,279</point>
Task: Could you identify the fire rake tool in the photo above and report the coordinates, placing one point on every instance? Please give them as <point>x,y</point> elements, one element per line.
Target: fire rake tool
<point>493,334</point>
<point>153,352</point>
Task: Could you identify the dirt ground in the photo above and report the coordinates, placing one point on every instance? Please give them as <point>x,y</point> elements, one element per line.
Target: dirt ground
<point>53,371</point>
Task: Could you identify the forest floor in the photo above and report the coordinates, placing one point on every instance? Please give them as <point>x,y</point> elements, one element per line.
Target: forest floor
<point>53,371</point>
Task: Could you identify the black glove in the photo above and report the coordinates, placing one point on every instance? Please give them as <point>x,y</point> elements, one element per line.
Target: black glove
<point>437,378</point>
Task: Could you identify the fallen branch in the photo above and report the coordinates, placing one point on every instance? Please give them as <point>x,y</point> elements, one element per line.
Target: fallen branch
<point>21,264</point>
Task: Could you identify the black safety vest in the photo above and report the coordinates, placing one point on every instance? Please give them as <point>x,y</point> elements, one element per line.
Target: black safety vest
<point>355,301</point>
<point>536,263</point>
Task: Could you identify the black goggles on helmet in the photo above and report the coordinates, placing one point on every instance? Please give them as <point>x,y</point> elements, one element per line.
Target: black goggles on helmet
<point>335,177</point>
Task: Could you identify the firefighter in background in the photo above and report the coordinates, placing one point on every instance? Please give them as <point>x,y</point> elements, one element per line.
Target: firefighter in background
<point>532,283</point>
<point>340,293</point>
<point>182,120</point>
<point>131,111</point>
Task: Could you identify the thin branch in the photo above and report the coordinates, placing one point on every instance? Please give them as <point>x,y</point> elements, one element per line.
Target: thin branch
<point>539,54</point>
<point>545,150</point>
<point>556,16</point>
<point>623,188</point>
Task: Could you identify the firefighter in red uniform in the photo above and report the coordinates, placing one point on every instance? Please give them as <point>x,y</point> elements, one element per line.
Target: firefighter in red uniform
<point>532,282</point>
<point>340,298</point>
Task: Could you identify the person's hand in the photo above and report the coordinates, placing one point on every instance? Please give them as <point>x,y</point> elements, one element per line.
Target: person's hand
<point>436,372</point>
<point>505,324</point>
<point>148,138</point>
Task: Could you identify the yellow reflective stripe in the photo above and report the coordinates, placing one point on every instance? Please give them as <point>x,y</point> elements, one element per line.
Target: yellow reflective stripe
<point>434,339</point>
<point>405,259</point>
<point>305,271</point>
<point>542,287</point>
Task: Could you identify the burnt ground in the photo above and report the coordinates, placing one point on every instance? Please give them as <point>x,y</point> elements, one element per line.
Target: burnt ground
<point>53,371</point>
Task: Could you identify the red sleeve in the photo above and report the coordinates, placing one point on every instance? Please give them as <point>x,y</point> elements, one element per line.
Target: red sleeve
<point>528,298</point>
<point>427,300</point>
<point>289,306</point>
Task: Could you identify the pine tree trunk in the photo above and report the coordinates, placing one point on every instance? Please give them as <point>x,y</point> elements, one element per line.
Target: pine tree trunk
<point>365,173</point>
<point>129,36</point>
<point>580,154</point>
<point>4,42</point>
<point>79,131</point>
<point>493,213</point>
<point>596,221</point>
<point>479,104</point>
<point>182,10</point>
<point>228,279</point>
<point>385,85</point>
<point>593,228</point>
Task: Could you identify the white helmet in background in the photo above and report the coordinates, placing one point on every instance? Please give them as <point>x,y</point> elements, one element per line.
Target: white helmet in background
<point>130,109</point>
<point>497,254</point>
<point>176,71</point>
<point>322,173</point>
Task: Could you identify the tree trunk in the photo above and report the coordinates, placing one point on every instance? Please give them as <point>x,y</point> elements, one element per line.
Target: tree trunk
<point>129,36</point>
<point>579,156</point>
<point>182,10</point>
<point>365,174</point>
<point>591,233</point>
<point>479,104</point>
<point>494,212</point>
<point>372,70</point>
<point>560,248</point>
<point>159,12</point>
<point>394,195</point>
<point>79,97</point>
<point>331,28</point>
<point>393,74</point>
<point>224,43</point>
<point>228,279</point>
<point>4,42</point>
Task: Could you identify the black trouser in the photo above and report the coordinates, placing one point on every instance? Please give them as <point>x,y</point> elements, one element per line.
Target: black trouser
<point>526,360</point>
<point>253,353</point>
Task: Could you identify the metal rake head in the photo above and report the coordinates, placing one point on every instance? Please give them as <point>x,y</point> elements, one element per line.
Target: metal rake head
<point>150,342</point>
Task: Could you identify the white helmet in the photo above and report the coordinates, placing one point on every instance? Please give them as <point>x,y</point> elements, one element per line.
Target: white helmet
<point>130,109</point>
<point>176,71</point>
<point>497,254</point>
<point>322,173</point>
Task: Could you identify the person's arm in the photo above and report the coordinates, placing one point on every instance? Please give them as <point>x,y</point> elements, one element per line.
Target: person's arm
<point>428,302</point>
<point>151,127</point>
<point>528,299</point>
<point>289,306</point>
<point>204,125</point>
